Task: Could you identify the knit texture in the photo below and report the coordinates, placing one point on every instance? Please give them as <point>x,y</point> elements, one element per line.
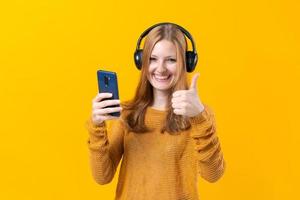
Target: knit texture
<point>156,165</point>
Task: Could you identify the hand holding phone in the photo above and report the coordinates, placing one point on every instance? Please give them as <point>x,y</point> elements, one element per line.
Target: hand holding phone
<point>101,111</point>
<point>106,103</point>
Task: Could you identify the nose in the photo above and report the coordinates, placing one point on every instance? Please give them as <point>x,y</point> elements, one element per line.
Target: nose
<point>161,67</point>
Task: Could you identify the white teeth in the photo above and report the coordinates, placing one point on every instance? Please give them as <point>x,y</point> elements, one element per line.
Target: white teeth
<point>161,78</point>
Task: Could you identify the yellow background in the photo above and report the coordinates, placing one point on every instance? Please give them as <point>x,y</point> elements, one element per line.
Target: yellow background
<point>50,51</point>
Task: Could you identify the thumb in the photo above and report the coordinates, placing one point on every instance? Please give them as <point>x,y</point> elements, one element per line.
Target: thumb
<point>194,81</point>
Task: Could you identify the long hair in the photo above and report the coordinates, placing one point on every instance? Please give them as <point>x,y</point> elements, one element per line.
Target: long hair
<point>135,119</point>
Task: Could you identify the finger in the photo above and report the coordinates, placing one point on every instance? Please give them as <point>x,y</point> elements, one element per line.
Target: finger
<point>194,81</point>
<point>104,117</point>
<point>110,117</point>
<point>107,110</point>
<point>181,105</point>
<point>101,96</point>
<point>178,111</point>
<point>179,93</point>
<point>176,105</point>
<point>178,99</point>
<point>105,103</point>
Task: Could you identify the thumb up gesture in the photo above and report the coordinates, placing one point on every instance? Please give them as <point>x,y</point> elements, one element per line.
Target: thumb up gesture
<point>187,102</point>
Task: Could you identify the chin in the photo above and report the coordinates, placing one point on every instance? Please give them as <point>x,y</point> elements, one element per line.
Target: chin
<point>163,89</point>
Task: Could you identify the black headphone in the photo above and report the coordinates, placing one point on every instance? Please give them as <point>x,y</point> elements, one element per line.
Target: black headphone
<point>191,56</point>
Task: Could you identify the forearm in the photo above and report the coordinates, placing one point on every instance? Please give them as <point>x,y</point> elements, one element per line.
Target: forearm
<point>211,161</point>
<point>208,151</point>
<point>103,160</point>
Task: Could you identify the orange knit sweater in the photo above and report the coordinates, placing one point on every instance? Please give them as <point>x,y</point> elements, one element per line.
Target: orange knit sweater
<point>156,165</point>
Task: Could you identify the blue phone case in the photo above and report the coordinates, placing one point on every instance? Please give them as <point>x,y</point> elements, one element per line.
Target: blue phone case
<point>107,82</point>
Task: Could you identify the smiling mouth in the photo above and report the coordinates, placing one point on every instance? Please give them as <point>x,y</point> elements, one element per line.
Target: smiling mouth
<point>161,78</point>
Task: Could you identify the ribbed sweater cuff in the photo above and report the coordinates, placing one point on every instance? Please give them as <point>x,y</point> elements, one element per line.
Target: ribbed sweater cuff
<point>96,130</point>
<point>97,136</point>
<point>203,116</point>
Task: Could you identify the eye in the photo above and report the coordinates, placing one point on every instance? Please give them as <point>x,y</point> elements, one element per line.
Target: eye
<point>172,60</point>
<point>152,59</point>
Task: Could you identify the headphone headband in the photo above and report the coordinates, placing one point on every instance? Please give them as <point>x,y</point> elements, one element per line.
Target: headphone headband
<point>183,30</point>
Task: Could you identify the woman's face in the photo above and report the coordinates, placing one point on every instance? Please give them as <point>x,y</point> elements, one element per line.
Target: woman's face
<point>162,66</point>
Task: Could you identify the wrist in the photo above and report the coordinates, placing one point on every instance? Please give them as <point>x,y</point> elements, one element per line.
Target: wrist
<point>201,116</point>
<point>98,123</point>
<point>201,108</point>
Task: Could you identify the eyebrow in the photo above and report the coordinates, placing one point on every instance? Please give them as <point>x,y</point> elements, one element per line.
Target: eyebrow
<point>171,56</point>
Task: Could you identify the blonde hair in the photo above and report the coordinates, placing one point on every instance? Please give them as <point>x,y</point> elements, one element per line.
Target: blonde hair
<point>135,119</point>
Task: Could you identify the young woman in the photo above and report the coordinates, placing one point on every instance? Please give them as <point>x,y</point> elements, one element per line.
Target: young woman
<point>165,135</point>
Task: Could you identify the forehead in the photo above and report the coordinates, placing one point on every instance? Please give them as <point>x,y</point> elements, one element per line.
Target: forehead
<point>164,48</point>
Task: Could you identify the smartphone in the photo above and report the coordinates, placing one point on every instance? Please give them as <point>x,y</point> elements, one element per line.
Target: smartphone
<point>107,82</point>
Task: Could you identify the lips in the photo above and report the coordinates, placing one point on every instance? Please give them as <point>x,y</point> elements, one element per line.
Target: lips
<point>161,78</point>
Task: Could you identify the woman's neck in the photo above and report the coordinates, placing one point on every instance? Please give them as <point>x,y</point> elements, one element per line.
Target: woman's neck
<point>160,99</point>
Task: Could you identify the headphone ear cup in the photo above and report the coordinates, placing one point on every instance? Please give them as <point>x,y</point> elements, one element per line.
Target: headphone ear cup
<point>191,61</point>
<point>138,58</point>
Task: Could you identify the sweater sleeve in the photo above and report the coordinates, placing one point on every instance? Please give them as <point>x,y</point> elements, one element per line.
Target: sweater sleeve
<point>211,164</point>
<point>105,149</point>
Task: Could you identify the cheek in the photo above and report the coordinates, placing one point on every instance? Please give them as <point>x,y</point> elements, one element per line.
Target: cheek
<point>151,68</point>
<point>173,69</point>
<point>150,72</point>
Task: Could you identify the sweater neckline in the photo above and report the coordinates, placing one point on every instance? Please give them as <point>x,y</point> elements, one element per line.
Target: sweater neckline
<point>156,110</point>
